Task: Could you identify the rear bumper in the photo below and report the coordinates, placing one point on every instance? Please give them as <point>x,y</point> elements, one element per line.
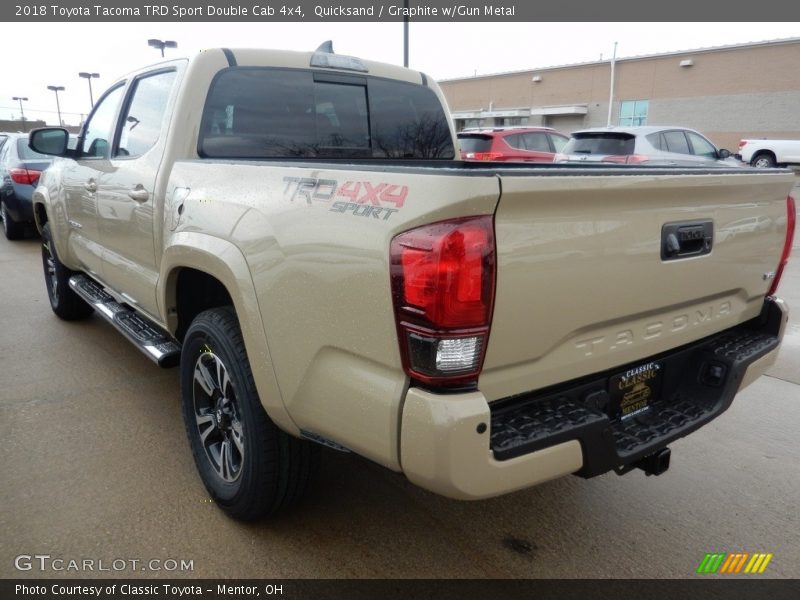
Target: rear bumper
<point>460,446</point>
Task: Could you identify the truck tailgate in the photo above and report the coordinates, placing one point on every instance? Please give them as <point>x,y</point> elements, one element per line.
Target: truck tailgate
<point>582,286</point>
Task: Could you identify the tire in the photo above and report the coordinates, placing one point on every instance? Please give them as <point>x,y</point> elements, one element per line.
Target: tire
<point>250,468</point>
<point>11,228</point>
<point>763,161</point>
<point>64,302</point>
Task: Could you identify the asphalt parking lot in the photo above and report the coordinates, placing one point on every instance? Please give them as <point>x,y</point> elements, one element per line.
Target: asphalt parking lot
<point>95,464</point>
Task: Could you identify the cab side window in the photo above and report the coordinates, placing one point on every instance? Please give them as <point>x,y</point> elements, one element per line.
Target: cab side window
<point>536,142</point>
<point>657,140</point>
<point>676,142</point>
<point>515,141</point>
<point>99,130</point>
<point>141,121</point>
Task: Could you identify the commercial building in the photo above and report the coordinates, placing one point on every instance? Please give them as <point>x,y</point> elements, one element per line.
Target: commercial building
<point>727,92</point>
<point>17,125</point>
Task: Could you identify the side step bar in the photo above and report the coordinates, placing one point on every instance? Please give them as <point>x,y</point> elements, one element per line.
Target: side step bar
<point>158,345</point>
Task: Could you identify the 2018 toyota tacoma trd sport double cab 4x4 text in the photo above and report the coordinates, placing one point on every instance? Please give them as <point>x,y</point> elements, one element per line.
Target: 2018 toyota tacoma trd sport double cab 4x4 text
<point>293,230</point>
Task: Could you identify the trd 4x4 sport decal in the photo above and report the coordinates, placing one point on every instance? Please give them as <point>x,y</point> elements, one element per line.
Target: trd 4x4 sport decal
<point>360,198</point>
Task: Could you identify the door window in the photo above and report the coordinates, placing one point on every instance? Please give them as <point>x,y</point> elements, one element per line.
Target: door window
<point>701,146</point>
<point>536,142</point>
<point>141,123</point>
<point>99,130</point>
<point>515,141</point>
<point>676,142</point>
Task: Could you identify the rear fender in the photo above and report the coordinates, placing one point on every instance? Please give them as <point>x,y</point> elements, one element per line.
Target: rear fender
<point>225,262</point>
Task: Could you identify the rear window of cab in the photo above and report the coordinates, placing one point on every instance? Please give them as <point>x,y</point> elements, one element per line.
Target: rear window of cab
<point>255,112</point>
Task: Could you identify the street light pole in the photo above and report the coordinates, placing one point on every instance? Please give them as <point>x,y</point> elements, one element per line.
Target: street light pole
<point>88,77</point>
<point>405,35</point>
<point>56,89</point>
<point>22,112</point>
<point>611,85</point>
<point>160,45</point>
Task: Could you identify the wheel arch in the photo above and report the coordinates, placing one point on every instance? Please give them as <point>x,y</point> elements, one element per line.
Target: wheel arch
<point>40,217</point>
<point>214,270</point>
<point>39,199</point>
<point>48,207</point>
<point>763,152</point>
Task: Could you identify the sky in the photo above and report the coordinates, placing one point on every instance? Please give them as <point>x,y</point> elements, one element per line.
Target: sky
<point>54,53</point>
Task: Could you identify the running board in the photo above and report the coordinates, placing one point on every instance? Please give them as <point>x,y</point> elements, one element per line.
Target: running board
<point>157,344</point>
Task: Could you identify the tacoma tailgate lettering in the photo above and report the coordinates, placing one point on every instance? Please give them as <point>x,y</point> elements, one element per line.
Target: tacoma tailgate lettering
<point>653,330</point>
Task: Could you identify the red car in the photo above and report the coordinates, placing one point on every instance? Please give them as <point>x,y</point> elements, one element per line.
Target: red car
<point>518,144</point>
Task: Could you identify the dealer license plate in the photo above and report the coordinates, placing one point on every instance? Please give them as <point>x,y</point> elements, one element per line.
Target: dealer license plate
<point>633,392</point>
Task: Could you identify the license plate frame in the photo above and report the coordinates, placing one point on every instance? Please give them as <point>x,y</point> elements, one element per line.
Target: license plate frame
<point>634,391</point>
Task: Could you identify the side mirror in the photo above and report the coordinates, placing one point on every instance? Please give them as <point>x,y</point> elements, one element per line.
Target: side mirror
<point>49,140</point>
<point>723,154</point>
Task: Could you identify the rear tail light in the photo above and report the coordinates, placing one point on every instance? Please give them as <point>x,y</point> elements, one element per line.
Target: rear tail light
<point>791,221</point>
<point>627,159</point>
<point>485,155</point>
<point>742,144</point>
<point>24,176</point>
<point>443,281</point>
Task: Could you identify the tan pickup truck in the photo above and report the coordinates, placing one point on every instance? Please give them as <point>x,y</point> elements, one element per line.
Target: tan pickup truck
<point>293,231</point>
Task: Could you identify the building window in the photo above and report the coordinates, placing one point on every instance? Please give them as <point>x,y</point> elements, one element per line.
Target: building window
<point>510,121</point>
<point>633,112</point>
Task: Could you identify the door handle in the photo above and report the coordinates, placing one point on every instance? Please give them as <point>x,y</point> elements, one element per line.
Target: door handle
<point>680,240</point>
<point>91,186</point>
<point>139,194</point>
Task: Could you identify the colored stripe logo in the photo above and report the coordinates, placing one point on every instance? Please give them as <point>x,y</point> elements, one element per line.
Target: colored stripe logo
<point>735,563</point>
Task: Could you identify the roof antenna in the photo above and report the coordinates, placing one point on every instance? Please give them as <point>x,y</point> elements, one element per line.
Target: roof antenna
<point>326,47</point>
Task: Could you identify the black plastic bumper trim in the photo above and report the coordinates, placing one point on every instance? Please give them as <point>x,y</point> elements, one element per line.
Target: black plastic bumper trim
<point>699,383</point>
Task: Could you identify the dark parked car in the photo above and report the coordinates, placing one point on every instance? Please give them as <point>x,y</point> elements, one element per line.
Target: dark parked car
<point>20,168</point>
<point>517,144</point>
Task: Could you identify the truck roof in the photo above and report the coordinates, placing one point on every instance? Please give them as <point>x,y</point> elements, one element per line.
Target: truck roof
<point>324,60</point>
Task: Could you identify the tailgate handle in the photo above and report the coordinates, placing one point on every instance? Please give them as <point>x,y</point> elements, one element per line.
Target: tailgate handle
<point>684,240</point>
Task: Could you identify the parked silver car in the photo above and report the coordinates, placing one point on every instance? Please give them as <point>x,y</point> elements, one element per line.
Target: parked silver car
<point>647,145</point>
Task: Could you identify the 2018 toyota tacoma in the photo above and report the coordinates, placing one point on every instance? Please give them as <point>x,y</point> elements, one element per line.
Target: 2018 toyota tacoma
<point>294,232</point>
